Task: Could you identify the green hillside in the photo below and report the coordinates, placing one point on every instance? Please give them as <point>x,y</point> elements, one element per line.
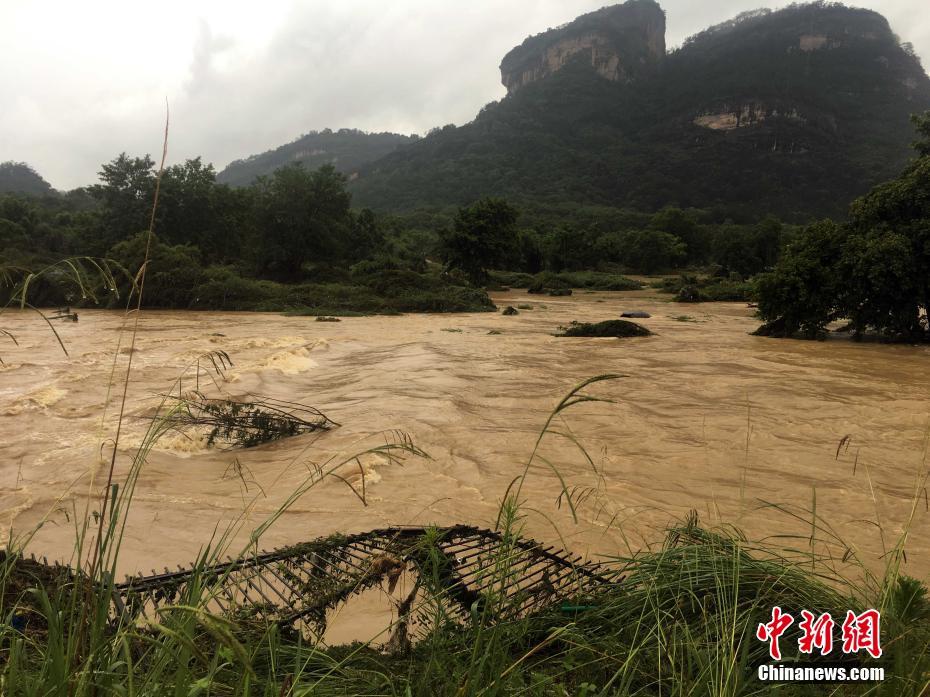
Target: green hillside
<point>20,178</point>
<point>346,149</point>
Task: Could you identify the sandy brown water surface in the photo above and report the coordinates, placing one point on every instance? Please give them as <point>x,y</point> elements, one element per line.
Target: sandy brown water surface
<point>707,418</point>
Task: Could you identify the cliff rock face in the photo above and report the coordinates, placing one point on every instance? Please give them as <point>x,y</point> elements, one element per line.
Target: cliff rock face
<point>620,42</point>
<point>729,117</point>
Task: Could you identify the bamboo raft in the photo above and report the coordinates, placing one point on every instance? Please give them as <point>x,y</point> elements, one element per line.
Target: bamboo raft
<point>464,568</point>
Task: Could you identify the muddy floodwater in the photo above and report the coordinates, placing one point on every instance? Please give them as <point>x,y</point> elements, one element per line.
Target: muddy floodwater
<point>706,417</point>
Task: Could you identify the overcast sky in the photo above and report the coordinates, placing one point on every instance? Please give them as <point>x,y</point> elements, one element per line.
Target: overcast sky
<point>82,81</point>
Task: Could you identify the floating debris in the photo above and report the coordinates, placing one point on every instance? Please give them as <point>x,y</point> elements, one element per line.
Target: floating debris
<point>64,313</point>
<point>459,566</point>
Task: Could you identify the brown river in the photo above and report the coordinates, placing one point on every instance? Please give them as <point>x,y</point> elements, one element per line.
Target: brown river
<point>706,417</point>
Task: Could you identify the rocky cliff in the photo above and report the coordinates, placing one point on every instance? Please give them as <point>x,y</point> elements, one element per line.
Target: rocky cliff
<point>620,43</point>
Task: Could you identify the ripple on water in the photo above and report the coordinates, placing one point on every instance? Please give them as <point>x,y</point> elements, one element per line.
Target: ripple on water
<point>38,400</point>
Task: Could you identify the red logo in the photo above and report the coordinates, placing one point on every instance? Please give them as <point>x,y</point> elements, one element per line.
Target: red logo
<point>860,632</point>
<point>771,631</point>
<point>817,633</point>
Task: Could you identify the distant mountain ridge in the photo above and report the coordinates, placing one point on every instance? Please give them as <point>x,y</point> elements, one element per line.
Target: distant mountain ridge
<point>346,149</point>
<point>20,178</point>
<point>792,112</point>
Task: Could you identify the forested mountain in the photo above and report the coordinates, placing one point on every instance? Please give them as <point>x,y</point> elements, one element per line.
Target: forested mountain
<point>346,149</point>
<point>20,178</point>
<point>791,112</point>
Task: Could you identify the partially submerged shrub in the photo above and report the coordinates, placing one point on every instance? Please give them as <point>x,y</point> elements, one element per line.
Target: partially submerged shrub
<point>619,328</point>
<point>244,424</point>
<point>387,291</point>
<point>692,289</point>
<point>510,310</point>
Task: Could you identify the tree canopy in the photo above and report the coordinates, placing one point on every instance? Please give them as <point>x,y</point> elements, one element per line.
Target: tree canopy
<point>483,236</point>
<point>873,270</point>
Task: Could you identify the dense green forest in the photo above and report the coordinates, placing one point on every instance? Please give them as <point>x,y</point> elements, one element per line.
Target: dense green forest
<point>293,241</point>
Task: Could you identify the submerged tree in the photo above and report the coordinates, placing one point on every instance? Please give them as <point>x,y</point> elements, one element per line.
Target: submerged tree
<point>874,270</point>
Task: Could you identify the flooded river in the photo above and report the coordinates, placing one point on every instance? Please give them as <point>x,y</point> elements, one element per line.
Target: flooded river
<point>706,418</point>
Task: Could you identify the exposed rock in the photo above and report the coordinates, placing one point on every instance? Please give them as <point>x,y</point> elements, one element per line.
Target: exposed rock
<point>620,42</point>
<point>728,117</point>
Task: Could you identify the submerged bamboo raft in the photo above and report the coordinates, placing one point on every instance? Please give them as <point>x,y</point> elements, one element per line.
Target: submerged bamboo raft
<point>464,569</point>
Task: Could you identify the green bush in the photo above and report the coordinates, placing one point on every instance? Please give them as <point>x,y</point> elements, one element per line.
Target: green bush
<point>383,292</point>
<point>692,289</point>
<point>619,328</point>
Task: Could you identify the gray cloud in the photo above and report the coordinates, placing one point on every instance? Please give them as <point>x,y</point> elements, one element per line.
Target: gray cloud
<point>240,83</point>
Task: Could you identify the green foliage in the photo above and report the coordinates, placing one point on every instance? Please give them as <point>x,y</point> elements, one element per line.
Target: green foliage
<point>922,126</point>
<point>802,292</point>
<point>690,288</point>
<point>483,236</point>
<point>684,225</point>
<point>212,241</point>
<point>645,250</point>
<point>382,292</point>
<point>588,280</point>
<point>303,216</point>
<point>125,194</point>
<point>748,249</point>
<point>172,275</point>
